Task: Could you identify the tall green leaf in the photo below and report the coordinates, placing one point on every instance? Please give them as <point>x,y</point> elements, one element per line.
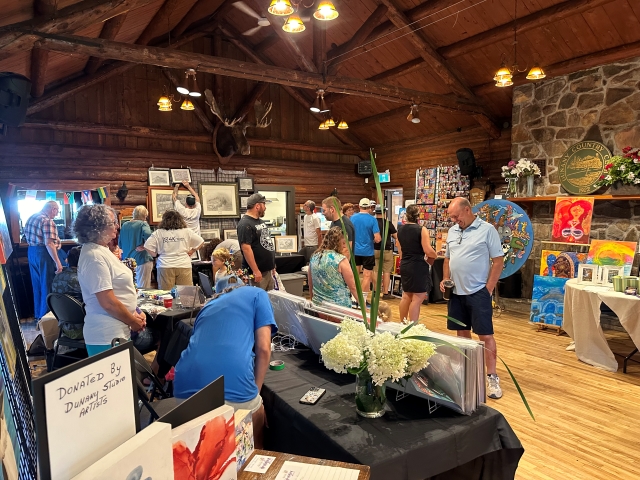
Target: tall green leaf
<point>375,296</point>
<point>515,382</point>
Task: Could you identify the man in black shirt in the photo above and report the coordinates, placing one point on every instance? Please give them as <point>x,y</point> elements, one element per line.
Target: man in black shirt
<point>387,264</point>
<point>330,213</point>
<point>256,243</point>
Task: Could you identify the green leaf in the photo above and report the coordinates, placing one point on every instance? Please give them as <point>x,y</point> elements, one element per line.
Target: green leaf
<point>515,382</point>
<point>408,327</point>
<point>452,319</point>
<point>437,341</point>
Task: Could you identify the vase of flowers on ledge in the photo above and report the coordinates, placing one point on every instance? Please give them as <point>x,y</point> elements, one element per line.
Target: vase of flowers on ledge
<point>622,173</point>
<point>510,174</point>
<point>528,170</point>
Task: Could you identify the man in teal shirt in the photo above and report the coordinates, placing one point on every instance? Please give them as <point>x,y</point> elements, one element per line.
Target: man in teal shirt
<point>133,234</point>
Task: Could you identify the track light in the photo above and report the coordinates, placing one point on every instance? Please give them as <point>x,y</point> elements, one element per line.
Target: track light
<point>414,115</point>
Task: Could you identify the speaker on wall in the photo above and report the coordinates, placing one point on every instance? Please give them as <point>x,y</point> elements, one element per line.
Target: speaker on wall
<point>14,98</point>
<point>466,161</point>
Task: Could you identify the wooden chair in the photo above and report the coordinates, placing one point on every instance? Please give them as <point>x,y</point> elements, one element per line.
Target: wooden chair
<point>68,310</point>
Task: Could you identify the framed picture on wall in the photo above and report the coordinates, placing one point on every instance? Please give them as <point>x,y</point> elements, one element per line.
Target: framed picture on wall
<point>160,199</point>
<point>243,202</point>
<point>230,234</point>
<point>587,273</point>
<point>245,184</point>
<point>210,234</point>
<point>158,177</point>
<point>286,243</point>
<point>196,256</point>
<point>179,175</point>
<point>219,200</point>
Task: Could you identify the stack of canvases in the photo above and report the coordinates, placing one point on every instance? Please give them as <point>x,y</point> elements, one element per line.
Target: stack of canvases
<point>572,225</point>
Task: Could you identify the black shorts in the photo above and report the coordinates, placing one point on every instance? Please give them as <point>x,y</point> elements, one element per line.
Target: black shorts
<point>474,310</point>
<point>367,262</point>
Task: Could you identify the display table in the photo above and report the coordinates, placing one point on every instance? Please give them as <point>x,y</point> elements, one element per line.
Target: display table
<point>275,467</point>
<point>407,443</point>
<point>582,321</point>
<point>290,263</point>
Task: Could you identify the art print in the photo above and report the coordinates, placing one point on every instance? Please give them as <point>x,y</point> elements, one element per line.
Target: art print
<point>179,175</point>
<point>547,300</point>
<point>160,199</point>
<point>219,200</point>
<point>159,177</point>
<point>572,220</point>
<point>210,233</point>
<point>554,263</point>
<point>245,184</point>
<point>230,234</point>
<point>286,244</point>
<point>243,202</point>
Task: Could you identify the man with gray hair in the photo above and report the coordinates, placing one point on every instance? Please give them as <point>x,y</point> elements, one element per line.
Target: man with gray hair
<point>41,234</point>
<point>311,230</point>
<point>133,234</point>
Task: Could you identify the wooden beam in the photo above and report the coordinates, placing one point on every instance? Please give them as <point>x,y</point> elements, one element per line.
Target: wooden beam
<point>110,29</point>
<point>218,87</point>
<point>16,37</point>
<point>400,70</point>
<point>319,45</point>
<point>75,45</point>
<point>380,117</point>
<point>39,63</point>
<point>248,103</point>
<point>201,9</point>
<point>535,20</point>
<point>199,112</point>
<point>361,34</point>
<point>267,43</point>
<point>157,24</point>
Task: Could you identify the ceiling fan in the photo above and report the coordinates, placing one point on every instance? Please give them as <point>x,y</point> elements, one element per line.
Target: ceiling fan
<point>262,21</point>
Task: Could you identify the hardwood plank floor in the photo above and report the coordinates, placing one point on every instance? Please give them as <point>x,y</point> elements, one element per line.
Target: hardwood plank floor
<point>587,420</point>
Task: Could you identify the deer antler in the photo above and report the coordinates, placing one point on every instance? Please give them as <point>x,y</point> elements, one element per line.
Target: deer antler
<point>215,109</point>
<point>261,114</point>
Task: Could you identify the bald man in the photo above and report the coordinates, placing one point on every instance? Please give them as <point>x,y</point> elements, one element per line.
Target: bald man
<point>131,240</point>
<point>41,234</point>
<point>474,262</point>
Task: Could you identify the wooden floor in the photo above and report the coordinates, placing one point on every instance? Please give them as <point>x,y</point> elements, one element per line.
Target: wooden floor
<point>587,420</point>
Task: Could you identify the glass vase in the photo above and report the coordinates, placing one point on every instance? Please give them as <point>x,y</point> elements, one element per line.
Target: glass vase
<point>370,398</point>
<point>530,179</point>
<point>512,187</point>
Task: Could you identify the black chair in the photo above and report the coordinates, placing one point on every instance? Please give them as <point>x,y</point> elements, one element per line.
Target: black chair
<point>205,283</point>
<point>68,310</point>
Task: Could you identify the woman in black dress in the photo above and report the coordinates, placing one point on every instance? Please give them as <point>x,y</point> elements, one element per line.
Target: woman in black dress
<point>415,251</point>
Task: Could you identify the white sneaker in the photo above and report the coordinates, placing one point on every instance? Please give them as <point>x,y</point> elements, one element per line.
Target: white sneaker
<point>571,347</point>
<point>494,391</point>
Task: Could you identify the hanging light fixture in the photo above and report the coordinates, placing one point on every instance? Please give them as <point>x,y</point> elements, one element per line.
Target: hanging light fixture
<point>315,107</point>
<point>165,101</point>
<point>187,105</point>
<point>324,108</point>
<point>194,91</point>
<point>294,24</point>
<point>343,125</point>
<point>280,7</point>
<point>504,76</point>
<point>326,11</point>
<point>414,115</point>
<point>536,73</point>
<point>189,82</point>
<point>331,122</point>
<point>323,126</point>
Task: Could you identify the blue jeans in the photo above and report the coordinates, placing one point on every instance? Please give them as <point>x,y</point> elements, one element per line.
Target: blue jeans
<point>43,269</point>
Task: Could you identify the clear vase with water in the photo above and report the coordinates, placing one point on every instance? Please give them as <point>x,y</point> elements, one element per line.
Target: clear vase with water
<point>371,399</point>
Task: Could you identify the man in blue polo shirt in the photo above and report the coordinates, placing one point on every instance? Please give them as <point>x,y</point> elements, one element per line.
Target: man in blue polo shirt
<point>474,262</point>
<point>367,233</point>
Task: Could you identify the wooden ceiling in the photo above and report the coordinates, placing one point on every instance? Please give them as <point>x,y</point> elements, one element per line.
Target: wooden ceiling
<point>444,60</point>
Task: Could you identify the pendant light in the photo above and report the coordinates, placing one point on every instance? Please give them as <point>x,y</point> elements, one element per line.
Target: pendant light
<point>536,73</point>
<point>194,91</point>
<point>294,24</point>
<point>187,105</point>
<point>326,11</point>
<point>315,107</point>
<point>164,104</point>
<point>414,115</point>
<point>189,82</point>
<point>331,122</point>
<point>503,77</point>
<point>280,7</point>
<point>343,125</point>
<point>323,126</point>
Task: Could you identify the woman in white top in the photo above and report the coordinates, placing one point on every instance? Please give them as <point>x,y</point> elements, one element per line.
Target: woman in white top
<point>106,283</point>
<point>174,244</point>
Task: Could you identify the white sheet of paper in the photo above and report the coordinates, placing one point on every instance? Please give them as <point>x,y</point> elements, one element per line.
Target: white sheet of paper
<point>259,464</point>
<point>305,471</point>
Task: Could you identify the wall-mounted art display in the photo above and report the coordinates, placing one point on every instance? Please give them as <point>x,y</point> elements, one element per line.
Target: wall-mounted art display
<point>210,233</point>
<point>159,177</point>
<point>572,220</point>
<point>547,300</point>
<point>426,183</point>
<point>609,252</point>
<point>554,263</point>
<point>581,166</point>
<point>179,175</point>
<point>219,200</point>
<point>160,199</point>
<point>230,234</point>
<point>515,230</point>
<point>245,184</point>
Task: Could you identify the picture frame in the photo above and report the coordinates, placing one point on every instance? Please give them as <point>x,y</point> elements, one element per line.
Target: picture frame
<point>587,274</point>
<point>245,184</point>
<point>179,175</point>
<point>219,200</point>
<point>286,243</point>
<point>196,256</point>
<point>230,234</point>
<point>607,273</point>
<point>159,200</point>
<point>243,202</point>
<point>159,177</point>
<point>210,233</point>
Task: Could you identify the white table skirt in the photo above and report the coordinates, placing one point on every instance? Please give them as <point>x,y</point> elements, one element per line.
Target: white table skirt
<point>582,321</point>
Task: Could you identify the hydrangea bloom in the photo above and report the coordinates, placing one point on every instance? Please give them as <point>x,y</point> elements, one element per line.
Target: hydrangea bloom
<point>385,358</point>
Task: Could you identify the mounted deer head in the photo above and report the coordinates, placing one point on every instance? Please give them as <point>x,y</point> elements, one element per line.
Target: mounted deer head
<point>230,135</point>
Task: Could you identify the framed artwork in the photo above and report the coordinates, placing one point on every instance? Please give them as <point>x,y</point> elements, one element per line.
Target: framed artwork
<point>196,256</point>
<point>243,202</point>
<point>160,199</point>
<point>179,175</point>
<point>286,244</point>
<point>572,220</point>
<point>587,274</point>
<point>159,177</point>
<point>230,234</point>
<point>245,184</point>
<point>219,200</point>
<point>608,272</point>
<point>210,233</point>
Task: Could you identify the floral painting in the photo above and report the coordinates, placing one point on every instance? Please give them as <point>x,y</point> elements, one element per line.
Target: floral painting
<point>609,252</point>
<point>554,263</point>
<point>572,220</point>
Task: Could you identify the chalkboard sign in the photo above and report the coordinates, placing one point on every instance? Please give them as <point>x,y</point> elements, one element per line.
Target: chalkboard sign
<point>84,411</point>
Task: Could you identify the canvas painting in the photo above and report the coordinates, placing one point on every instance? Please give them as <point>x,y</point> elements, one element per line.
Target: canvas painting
<point>609,252</point>
<point>244,436</point>
<point>160,199</point>
<point>554,263</point>
<point>145,456</point>
<point>572,220</point>
<point>219,200</point>
<point>205,447</point>
<point>547,300</point>
<point>6,247</point>
<point>159,177</point>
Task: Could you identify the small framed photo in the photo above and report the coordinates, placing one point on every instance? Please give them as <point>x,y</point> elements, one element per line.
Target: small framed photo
<point>219,200</point>
<point>210,233</point>
<point>179,175</point>
<point>158,177</point>
<point>243,202</point>
<point>587,274</point>
<point>230,234</point>
<point>607,273</point>
<point>286,243</point>
<point>245,184</point>
<point>196,256</point>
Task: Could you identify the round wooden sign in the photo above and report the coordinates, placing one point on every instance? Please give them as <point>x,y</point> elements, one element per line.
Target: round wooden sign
<point>581,167</point>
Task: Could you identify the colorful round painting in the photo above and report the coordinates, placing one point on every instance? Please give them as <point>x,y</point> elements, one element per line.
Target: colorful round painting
<point>515,230</point>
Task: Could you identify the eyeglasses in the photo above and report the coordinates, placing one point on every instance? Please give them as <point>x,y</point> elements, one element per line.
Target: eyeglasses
<point>460,239</point>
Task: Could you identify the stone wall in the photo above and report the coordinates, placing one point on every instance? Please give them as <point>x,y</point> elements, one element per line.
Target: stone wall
<point>600,104</point>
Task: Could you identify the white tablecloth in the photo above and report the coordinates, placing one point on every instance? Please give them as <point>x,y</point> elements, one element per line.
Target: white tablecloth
<point>582,321</point>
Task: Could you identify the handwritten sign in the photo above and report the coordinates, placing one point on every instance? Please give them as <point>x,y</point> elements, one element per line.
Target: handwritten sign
<point>89,412</point>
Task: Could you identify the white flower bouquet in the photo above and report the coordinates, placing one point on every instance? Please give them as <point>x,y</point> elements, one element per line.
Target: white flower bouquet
<point>527,168</point>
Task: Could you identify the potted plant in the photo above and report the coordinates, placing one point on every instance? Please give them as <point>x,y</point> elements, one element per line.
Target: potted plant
<point>623,173</point>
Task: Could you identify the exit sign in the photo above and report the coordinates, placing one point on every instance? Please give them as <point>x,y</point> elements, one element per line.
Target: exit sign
<point>384,177</point>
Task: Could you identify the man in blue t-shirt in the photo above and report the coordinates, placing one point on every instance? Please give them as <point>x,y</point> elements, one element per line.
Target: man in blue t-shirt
<point>231,337</point>
<point>367,233</point>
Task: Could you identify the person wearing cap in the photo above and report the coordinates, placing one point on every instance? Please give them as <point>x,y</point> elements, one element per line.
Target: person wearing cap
<point>256,243</point>
<point>311,230</point>
<point>387,262</point>
<point>367,233</point>
<point>372,208</point>
<point>190,213</point>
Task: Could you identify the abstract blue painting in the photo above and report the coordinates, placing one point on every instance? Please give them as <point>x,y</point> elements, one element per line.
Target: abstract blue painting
<point>547,300</point>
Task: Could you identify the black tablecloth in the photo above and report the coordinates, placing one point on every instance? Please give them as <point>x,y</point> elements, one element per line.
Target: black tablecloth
<point>407,443</point>
<point>289,263</point>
